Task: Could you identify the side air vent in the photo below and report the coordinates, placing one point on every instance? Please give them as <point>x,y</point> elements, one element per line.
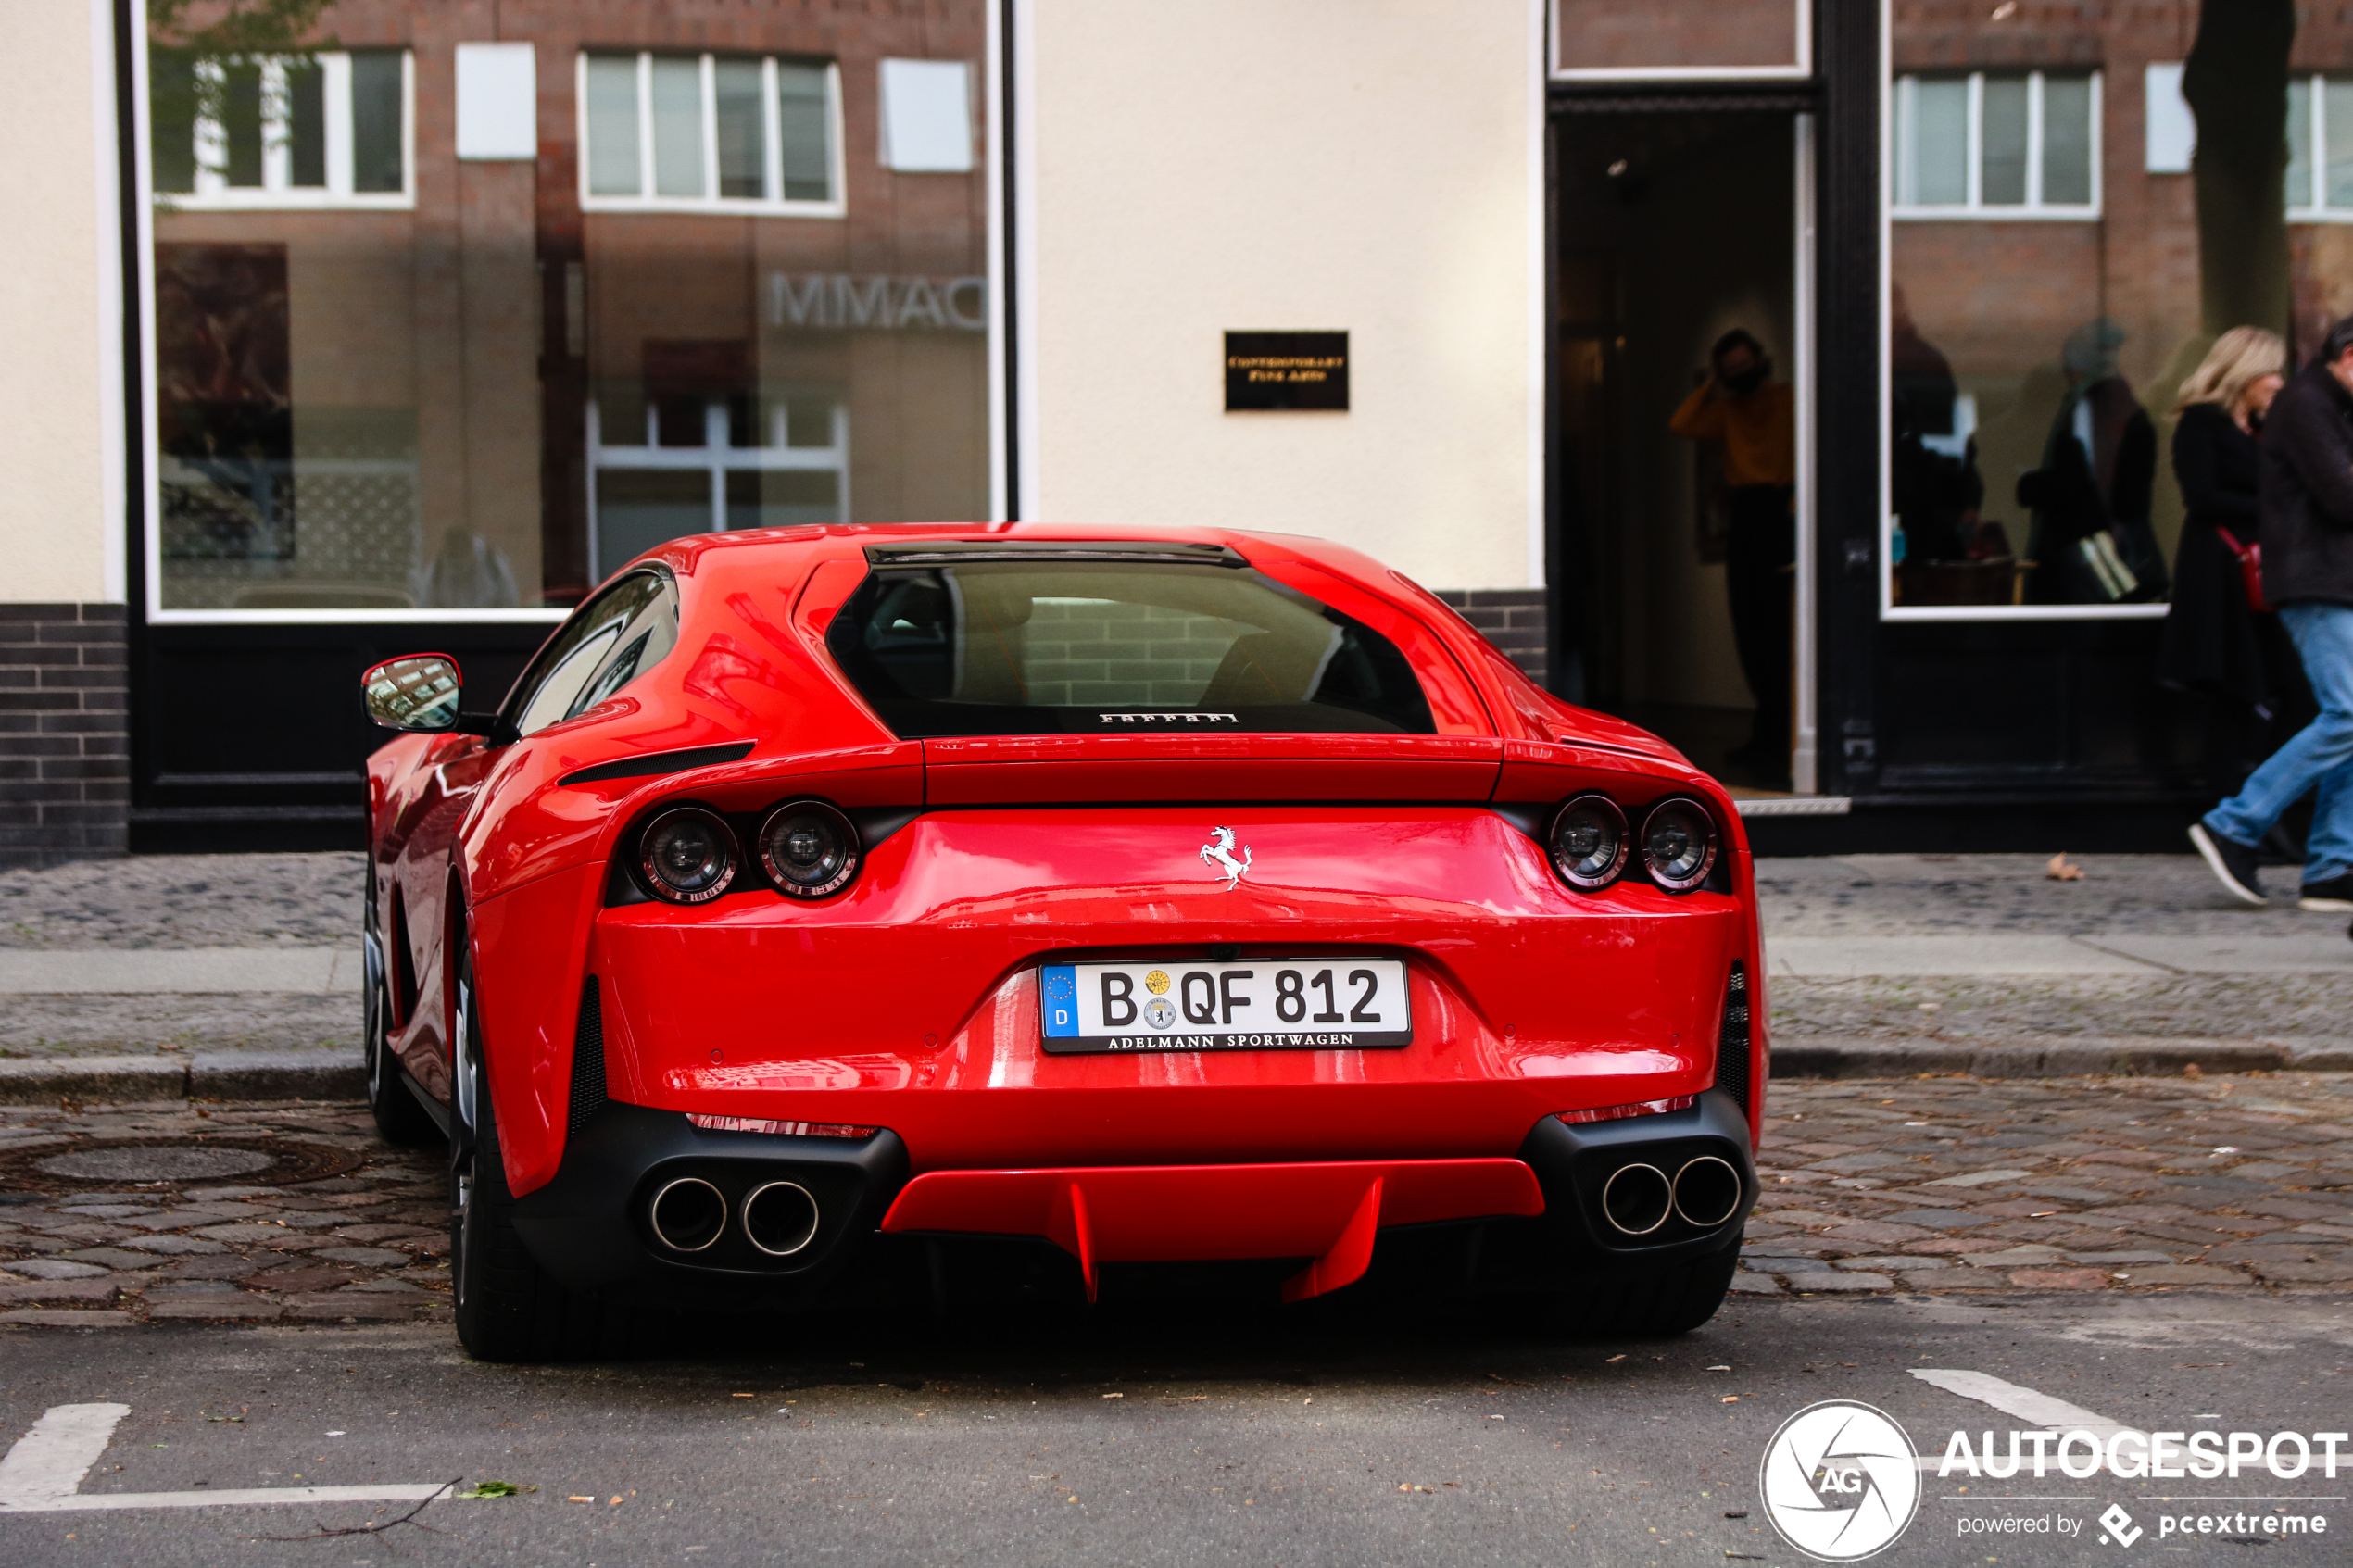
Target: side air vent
<point>587,1058</point>
<point>1732,1043</point>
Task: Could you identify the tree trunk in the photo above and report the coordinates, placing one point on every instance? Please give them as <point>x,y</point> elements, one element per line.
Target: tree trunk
<point>2236,84</point>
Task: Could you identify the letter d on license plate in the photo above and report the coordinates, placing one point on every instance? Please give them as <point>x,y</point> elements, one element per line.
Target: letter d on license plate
<point>1255,1005</point>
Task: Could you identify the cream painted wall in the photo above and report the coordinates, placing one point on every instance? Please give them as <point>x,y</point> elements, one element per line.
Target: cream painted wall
<point>1367,165</point>
<point>60,387</point>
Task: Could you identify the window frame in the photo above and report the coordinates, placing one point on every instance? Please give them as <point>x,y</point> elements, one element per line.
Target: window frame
<point>716,458</point>
<point>2316,210</point>
<point>1799,68</point>
<point>837,167</point>
<point>1903,143</point>
<point>275,194</point>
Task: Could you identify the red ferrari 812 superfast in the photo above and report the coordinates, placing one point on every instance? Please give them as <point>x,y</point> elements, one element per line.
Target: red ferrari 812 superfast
<point>839,914</point>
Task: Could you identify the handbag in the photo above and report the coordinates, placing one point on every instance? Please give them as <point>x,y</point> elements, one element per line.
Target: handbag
<point>2251,559</point>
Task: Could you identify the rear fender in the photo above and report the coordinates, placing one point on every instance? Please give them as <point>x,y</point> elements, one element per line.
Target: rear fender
<point>528,947</point>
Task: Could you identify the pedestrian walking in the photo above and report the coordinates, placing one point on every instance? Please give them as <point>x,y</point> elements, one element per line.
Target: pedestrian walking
<point>2221,644</point>
<point>2306,511</point>
<point>1755,417</point>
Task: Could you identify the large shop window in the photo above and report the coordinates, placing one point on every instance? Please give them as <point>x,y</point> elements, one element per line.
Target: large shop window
<point>2044,310</point>
<point>394,382</point>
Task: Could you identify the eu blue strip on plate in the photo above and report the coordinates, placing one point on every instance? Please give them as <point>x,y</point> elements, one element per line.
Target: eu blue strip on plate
<point>1060,997</point>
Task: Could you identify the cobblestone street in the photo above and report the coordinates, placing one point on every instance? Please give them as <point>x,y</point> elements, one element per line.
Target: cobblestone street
<point>1934,1185</point>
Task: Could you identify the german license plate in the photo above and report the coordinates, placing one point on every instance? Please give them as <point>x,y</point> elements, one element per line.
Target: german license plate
<point>1255,1005</point>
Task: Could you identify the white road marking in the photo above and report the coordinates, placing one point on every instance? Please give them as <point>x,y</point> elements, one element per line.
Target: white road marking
<point>2035,1409</point>
<point>42,1473</point>
<point>49,1462</point>
<point>2028,1405</point>
<point>89,1502</point>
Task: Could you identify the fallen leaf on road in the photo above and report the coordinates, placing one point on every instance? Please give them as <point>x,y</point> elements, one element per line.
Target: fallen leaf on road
<point>2058,870</point>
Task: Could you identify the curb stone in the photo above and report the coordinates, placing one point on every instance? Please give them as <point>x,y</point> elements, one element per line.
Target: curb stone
<point>239,1075</point>
<point>1819,1057</point>
<point>333,1074</point>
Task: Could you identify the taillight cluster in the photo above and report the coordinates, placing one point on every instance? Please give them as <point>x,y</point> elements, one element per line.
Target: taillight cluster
<point>691,854</point>
<point>1590,845</point>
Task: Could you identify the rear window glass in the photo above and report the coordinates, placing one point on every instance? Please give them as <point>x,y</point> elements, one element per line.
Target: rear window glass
<point>1017,647</point>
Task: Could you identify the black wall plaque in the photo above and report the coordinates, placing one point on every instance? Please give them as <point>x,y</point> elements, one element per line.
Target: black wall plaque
<point>1286,370</point>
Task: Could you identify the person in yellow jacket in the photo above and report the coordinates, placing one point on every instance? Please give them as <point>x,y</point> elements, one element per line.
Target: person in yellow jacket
<point>1755,417</point>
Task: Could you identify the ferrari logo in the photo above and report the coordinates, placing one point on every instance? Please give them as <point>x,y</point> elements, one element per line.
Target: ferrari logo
<point>1219,853</point>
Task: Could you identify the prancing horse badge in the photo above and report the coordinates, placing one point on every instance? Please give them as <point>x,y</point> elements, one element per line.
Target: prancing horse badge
<point>1219,852</point>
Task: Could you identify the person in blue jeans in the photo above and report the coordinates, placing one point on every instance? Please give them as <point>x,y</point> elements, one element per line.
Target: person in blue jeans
<point>2306,515</point>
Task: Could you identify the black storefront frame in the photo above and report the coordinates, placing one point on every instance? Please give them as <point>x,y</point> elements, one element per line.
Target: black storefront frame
<point>284,771</point>
<point>1977,735</point>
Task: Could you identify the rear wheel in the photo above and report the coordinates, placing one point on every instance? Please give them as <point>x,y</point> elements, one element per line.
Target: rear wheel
<point>508,1307</point>
<point>400,1119</point>
<point>1627,1301</point>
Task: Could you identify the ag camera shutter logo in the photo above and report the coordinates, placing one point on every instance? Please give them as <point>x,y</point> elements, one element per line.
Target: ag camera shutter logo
<point>1840,1482</point>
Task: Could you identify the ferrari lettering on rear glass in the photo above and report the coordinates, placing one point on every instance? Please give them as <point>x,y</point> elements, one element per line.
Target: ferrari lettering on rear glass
<point>1177,718</point>
<point>1253,1005</point>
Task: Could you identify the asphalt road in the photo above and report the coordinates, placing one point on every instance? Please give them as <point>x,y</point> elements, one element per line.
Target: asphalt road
<point>1340,1437</point>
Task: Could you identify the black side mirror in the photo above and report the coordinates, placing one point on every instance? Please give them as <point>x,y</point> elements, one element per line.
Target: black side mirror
<point>418,693</point>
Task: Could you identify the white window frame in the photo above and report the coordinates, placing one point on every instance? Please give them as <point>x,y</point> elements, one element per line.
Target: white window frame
<point>710,201</point>
<point>276,193</point>
<point>2315,207</point>
<point>1903,138</point>
<point>1800,69</point>
<point>717,459</point>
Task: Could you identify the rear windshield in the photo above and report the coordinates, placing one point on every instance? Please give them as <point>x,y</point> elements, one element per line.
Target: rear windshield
<point>1126,647</point>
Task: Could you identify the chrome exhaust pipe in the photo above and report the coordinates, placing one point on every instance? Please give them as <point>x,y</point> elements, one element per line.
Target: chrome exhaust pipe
<point>688,1214</point>
<point>1707,1191</point>
<point>780,1218</point>
<point>1637,1199</point>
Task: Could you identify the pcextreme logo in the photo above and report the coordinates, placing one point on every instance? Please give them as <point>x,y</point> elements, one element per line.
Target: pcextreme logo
<point>1839,1481</point>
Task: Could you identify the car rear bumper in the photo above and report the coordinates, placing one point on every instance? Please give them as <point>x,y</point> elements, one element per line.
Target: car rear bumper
<point>590,1227</point>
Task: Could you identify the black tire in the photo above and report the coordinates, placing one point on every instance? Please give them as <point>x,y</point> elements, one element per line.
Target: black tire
<point>508,1307</point>
<point>1622,1301</point>
<point>400,1119</point>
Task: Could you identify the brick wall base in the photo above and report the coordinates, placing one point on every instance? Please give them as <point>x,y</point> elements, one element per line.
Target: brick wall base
<point>1512,618</point>
<point>64,732</point>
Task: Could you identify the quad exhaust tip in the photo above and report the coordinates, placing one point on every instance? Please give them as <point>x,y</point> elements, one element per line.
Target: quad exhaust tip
<point>1638,1198</point>
<point>688,1215</point>
<point>780,1218</point>
<point>1707,1191</point>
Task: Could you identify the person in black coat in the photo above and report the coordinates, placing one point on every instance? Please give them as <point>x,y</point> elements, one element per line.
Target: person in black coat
<point>2305,505</point>
<point>2216,644</point>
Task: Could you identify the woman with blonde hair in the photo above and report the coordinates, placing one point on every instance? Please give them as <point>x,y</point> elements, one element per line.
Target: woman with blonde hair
<point>2217,644</point>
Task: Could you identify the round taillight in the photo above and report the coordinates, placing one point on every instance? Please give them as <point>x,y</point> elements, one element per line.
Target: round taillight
<point>688,856</point>
<point>1679,843</point>
<point>1588,843</point>
<point>809,849</point>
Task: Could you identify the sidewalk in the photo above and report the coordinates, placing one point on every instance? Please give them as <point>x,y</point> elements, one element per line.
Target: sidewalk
<point>1882,965</point>
<point>237,976</point>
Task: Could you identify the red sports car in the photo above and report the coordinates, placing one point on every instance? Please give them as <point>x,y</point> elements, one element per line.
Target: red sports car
<point>835,912</point>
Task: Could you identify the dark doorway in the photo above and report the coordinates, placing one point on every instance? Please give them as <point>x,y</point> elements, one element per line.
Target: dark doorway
<point>1674,226</point>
